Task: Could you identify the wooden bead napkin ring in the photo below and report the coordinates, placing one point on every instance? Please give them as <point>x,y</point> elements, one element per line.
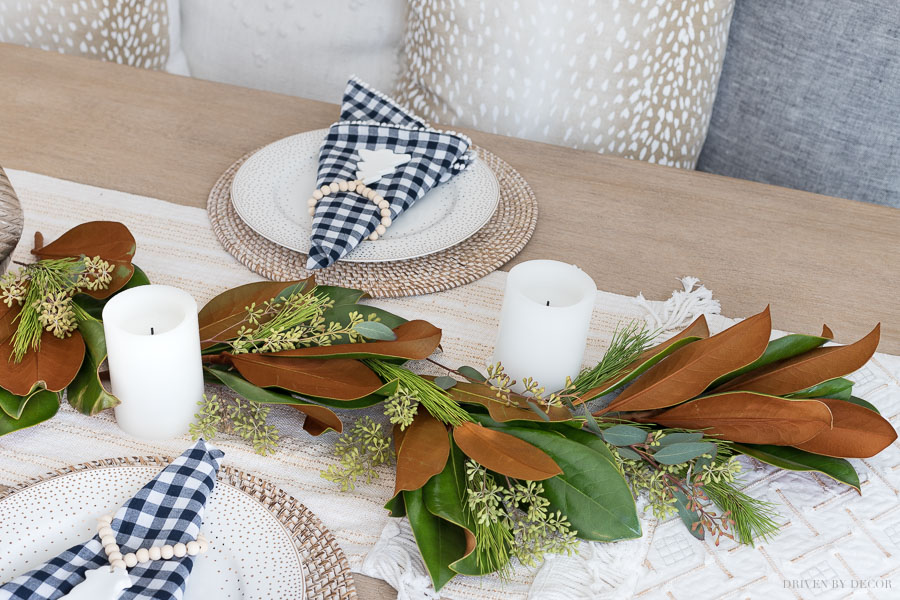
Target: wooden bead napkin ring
<point>363,190</point>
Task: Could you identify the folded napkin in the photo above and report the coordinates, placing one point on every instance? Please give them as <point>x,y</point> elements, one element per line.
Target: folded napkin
<point>372,121</point>
<point>168,510</point>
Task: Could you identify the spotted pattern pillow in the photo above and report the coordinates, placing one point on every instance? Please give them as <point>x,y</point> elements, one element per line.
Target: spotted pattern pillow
<point>634,78</point>
<point>130,32</point>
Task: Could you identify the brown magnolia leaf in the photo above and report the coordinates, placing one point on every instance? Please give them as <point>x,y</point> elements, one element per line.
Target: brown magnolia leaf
<point>109,240</point>
<point>222,316</point>
<point>749,418</point>
<point>504,453</point>
<point>319,419</point>
<point>857,432</point>
<point>416,340</point>
<point>695,331</point>
<point>477,393</point>
<point>808,369</point>
<point>54,365</point>
<point>690,369</point>
<point>336,378</point>
<point>827,333</point>
<point>422,453</point>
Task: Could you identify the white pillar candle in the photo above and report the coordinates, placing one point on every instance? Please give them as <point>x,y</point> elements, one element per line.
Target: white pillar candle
<point>544,322</point>
<point>153,342</point>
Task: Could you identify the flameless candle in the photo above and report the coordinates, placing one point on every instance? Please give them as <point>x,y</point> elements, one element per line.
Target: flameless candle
<point>544,322</point>
<point>153,343</point>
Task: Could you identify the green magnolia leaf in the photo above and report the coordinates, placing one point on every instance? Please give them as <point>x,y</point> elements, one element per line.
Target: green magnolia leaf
<point>682,452</point>
<point>94,306</point>
<point>445,497</point>
<point>86,393</point>
<point>445,383</point>
<point>679,437</point>
<point>839,388</point>
<point>472,373</point>
<point>11,404</point>
<point>624,435</point>
<point>628,453</point>
<point>688,517</point>
<point>374,330</point>
<point>395,506</point>
<point>41,406</point>
<point>590,492</point>
<point>863,403</point>
<point>440,542</point>
<point>777,349</point>
<point>794,459</point>
<point>340,296</point>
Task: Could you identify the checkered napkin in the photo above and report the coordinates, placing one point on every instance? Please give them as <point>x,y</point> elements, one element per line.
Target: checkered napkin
<point>372,121</point>
<point>168,510</point>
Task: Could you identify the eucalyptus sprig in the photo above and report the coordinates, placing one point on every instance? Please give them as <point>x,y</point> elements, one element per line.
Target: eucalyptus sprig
<point>238,416</point>
<point>360,450</point>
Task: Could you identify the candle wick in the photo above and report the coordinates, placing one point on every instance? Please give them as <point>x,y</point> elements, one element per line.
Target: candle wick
<point>548,303</point>
<point>151,331</point>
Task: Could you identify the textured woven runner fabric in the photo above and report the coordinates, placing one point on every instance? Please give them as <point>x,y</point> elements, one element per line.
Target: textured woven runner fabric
<point>830,534</point>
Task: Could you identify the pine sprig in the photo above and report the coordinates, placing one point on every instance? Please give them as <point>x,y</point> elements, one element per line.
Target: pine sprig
<point>752,518</point>
<point>627,344</point>
<point>435,400</point>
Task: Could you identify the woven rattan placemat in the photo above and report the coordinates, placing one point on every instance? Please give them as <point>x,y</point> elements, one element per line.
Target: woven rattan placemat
<point>495,244</point>
<point>326,571</point>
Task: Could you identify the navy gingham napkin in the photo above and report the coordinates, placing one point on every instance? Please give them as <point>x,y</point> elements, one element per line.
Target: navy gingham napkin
<point>168,510</point>
<point>371,120</point>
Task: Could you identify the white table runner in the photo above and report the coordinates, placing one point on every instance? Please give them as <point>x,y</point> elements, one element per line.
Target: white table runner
<point>834,543</point>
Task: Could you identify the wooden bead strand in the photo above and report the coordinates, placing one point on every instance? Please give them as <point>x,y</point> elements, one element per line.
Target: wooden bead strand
<point>143,555</point>
<point>384,207</point>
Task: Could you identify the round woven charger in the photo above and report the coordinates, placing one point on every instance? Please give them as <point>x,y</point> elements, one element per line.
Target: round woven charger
<point>325,568</point>
<point>495,244</point>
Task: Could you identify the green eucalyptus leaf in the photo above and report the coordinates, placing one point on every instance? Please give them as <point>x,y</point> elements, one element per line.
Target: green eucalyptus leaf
<point>591,492</point>
<point>863,403</point>
<point>679,437</point>
<point>445,383</point>
<point>86,393</point>
<point>682,452</point>
<point>688,517</point>
<point>374,330</point>
<point>628,453</point>
<point>341,314</point>
<point>440,542</point>
<point>838,388</point>
<point>777,349</point>
<point>794,459</point>
<point>536,409</point>
<point>624,435</point>
<point>40,406</point>
<point>471,373</point>
<point>11,404</point>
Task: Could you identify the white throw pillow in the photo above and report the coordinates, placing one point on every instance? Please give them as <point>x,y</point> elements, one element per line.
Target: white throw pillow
<point>305,48</point>
<point>636,78</point>
<point>140,33</point>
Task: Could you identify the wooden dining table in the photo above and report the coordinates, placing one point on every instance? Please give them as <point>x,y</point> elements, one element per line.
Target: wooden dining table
<point>634,227</point>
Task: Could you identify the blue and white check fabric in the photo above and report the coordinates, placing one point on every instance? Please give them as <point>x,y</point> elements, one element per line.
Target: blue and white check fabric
<point>372,121</point>
<point>168,510</point>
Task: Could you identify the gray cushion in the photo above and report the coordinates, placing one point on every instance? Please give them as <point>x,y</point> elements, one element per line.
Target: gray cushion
<point>809,98</point>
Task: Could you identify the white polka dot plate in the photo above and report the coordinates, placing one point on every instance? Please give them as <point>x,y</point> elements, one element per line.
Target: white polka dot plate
<point>271,188</point>
<point>251,554</point>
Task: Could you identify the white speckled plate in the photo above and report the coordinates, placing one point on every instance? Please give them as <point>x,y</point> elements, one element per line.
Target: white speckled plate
<point>271,188</point>
<point>251,555</point>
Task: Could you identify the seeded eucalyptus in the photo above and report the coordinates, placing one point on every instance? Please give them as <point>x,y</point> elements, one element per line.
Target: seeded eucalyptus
<point>44,290</point>
<point>238,416</point>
